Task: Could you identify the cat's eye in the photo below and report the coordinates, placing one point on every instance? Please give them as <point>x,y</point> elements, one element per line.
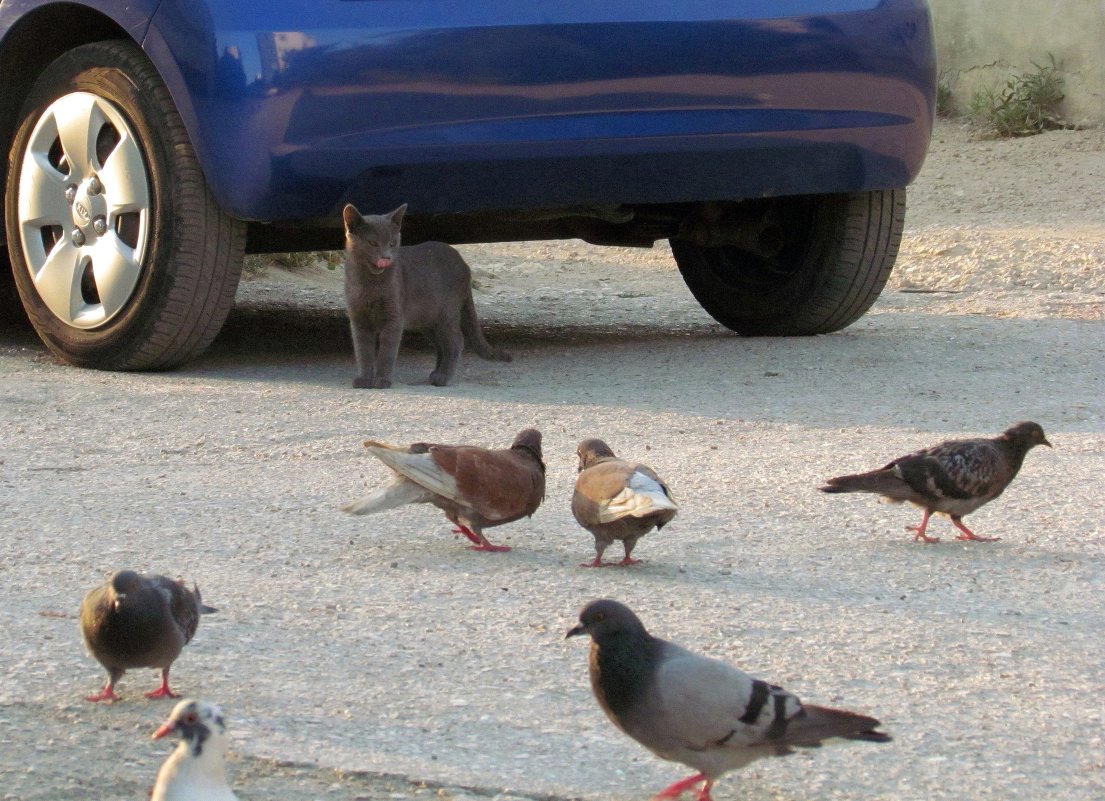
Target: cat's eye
<point>373,242</point>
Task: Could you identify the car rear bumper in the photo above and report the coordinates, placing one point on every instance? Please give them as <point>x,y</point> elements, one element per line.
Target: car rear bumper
<point>470,115</point>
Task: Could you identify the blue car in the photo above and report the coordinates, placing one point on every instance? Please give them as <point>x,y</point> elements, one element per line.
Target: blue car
<point>146,145</point>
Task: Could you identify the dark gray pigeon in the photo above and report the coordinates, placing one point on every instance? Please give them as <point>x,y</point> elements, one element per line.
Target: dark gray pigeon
<point>618,500</point>
<point>136,621</point>
<point>196,770</point>
<point>953,478</point>
<point>477,488</point>
<point>696,710</point>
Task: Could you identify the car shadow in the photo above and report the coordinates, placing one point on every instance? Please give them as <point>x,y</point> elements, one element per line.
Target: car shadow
<point>895,366</point>
<point>281,337</point>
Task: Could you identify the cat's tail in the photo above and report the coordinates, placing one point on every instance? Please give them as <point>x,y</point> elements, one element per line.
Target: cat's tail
<point>473,335</point>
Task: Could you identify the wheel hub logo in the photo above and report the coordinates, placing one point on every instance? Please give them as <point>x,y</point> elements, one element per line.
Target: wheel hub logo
<point>82,211</point>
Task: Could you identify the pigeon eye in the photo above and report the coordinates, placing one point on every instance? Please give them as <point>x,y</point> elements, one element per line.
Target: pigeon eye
<point>191,717</point>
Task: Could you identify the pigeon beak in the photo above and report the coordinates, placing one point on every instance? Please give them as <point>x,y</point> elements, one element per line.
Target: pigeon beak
<point>168,727</point>
<point>1045,442</point>
<point>575,631</point>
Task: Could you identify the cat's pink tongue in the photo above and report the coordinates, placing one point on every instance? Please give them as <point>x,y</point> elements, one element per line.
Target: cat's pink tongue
<point>382,263</point>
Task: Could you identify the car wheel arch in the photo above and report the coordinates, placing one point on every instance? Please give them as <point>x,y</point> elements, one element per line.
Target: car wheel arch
<point>31,45</point>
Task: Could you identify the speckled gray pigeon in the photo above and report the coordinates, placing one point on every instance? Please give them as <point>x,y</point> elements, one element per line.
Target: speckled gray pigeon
<point>137,621</point>
<point>477,488</point>
<point>196,770</point>
<point>618,500</point>
<point>953,478</point>
<point>696,710</point>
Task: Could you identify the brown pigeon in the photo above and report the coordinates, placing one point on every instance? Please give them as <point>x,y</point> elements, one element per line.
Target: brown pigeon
<point>953,478</point>
<point>699,711</point>
<point>477,488</point>
<point>618,500</point>
<point>135,621</point>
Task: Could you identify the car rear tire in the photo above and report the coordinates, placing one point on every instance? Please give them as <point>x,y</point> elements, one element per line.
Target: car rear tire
<point>121,257</point>
<point>812,265</point>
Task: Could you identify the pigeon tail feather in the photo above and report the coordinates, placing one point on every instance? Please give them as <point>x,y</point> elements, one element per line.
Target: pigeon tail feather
<point>371,443</point>
<point>818,723</point>
<point>419,468</point>
<point>882,482</point>
<point>398,493</point>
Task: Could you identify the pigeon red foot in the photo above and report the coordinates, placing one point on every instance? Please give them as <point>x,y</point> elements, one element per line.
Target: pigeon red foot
<point>467,532</point>
<point>106,694</point>
<point>597,562</point>
<point>163,691</point>
<point>919,531</point>
<point>970,535</point>
<point>481,542</point>
<point>489,548</point>
<point>682,786</point>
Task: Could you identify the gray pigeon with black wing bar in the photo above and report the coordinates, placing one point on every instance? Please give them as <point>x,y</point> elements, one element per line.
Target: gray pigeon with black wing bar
<point>699,711</point>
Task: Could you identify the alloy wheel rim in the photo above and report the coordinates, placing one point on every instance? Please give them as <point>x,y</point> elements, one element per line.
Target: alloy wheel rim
<point>84,209</point>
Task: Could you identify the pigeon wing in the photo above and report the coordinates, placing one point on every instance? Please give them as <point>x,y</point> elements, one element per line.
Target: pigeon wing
<point>182,604</point>
<point>595,487</point>
<point>959,470</point>
<point>95,608</point>
<point>498,485</point>
<point>703,703</point>
<point>643,494</point>
<point>613,489</point>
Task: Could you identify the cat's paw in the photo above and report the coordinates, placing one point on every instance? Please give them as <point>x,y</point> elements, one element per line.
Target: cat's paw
<point>439,379</point>
<point>381,383</point>
<point>362,383</point>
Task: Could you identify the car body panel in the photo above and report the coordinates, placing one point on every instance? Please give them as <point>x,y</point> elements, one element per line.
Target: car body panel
<point>295,108</point>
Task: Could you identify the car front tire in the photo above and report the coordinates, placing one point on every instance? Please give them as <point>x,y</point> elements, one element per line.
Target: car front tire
<point>812,265</point>
<point>121,257</point>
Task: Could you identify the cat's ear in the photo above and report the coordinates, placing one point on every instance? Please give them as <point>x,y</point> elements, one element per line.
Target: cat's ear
<point>396,216</point>
<point>352,218</point>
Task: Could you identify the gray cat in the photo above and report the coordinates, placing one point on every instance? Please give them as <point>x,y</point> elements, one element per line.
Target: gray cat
<point>390,289</point>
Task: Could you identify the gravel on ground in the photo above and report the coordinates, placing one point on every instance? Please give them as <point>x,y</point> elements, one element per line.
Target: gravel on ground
<point>376,658</point>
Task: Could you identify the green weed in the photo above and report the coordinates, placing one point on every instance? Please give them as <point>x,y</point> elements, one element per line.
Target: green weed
<point>945,98</point>
<point>1028,103</point>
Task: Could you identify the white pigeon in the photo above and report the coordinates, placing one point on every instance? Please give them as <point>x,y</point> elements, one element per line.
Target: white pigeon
<point>195,770</point>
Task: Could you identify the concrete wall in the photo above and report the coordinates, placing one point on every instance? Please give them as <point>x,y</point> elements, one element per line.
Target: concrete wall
<point>981,43</point>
